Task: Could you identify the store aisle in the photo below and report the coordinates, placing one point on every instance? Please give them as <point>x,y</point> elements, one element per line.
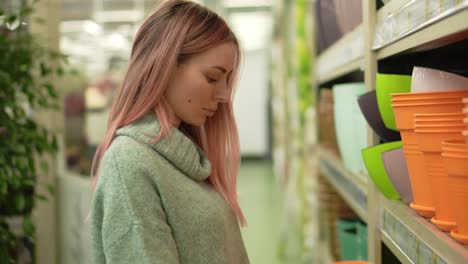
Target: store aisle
<point>261,198</point>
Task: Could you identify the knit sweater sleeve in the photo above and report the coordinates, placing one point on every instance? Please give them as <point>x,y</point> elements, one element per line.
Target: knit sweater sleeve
<point>129,224</point>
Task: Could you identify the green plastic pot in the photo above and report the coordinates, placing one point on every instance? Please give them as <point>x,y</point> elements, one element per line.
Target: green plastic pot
<point>386,84</point>
<point>375,167</point>
<point>351,126</point>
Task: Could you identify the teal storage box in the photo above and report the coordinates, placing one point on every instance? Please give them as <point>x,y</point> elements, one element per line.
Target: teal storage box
<point>352,239</point>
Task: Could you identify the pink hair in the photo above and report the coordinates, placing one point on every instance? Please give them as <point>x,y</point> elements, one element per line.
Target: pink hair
<point>176,30</point>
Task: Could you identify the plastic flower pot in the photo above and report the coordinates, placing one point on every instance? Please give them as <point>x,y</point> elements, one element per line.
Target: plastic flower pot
<point>404,113</point>
<point>430,143</point>
<point>375,166</point>
<point>429,80</point>
<point>386,85</point>
<point>456,116</point>
<point>456,166</point>
<point>397,171</point>
<point>440,119</point>
<point>425,100</point>
<point>422,196</point>
<point>370,110</point>
<point>431,95</point>
<point>457,127</point>
<point>408,137</point>
<point>351,127</point>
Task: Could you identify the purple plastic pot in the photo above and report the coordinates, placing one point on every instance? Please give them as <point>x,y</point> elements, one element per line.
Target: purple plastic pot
<point>397,171</point>
<point>370,110</point>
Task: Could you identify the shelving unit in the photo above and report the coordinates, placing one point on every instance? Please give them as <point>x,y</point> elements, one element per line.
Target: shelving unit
<point>401,28</point>
<point>343,57</point>
<point>411,238</point>
<point>351,187</point>
<point>414,239</point>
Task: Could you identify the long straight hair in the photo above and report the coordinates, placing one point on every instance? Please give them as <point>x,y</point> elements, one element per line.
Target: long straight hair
<point>176,30</point>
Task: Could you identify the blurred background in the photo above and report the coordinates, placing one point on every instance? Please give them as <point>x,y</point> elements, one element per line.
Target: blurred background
<point>308,196</point>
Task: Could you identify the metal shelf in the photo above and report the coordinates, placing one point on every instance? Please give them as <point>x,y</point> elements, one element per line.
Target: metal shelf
<point>343,57</point>
<point>405,27</point>
<point>414,239</point>
<point>351,187</point>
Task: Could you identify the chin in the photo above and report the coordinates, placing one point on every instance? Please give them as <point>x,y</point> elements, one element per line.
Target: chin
<point>197,123</point>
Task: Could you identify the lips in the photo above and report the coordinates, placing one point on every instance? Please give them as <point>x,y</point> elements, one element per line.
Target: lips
<point>211,112</point>
<point>211,109</point>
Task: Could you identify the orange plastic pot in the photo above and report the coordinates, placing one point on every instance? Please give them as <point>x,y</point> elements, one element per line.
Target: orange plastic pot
<point>455,147</point>
<point>439,126</point>
<point>441,119</point>
<point>430,143</point>
<point>423,202</point>
<point>457,170</point>
<point>465,135</point>
<point>431,95</point>
<point>427,101</point>
<point>409,137</point>
<point>431,140</point>
<point>440,116</point>
<point>444,217</point>
<point>404,114</point>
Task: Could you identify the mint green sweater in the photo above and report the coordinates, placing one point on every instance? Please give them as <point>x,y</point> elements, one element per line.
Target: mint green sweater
<point>153,205</point>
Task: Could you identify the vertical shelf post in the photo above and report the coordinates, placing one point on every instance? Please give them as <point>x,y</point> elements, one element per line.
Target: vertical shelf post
<point>369,13</point>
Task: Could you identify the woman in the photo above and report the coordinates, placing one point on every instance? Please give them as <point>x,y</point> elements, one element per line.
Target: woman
<point>166,184</point>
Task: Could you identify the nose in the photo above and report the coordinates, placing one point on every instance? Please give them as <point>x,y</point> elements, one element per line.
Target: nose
<point>222,95</point>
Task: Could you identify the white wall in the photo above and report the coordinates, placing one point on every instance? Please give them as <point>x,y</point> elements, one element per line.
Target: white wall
<point>251,103</point>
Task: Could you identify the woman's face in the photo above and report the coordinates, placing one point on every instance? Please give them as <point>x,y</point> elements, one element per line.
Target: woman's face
<point>200,84</point>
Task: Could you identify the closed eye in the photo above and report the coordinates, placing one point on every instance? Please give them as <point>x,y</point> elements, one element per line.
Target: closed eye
<point>211,80</point>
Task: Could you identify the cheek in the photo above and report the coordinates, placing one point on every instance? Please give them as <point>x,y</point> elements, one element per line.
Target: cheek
<point>199,95</point>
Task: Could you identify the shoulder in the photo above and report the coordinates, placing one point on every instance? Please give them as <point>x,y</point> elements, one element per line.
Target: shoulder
<point>126,150</point>
<point>126,181</point>
<point>128,163</point>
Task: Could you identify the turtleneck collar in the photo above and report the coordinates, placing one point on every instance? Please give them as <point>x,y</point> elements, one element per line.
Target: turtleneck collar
<point>177,148</point>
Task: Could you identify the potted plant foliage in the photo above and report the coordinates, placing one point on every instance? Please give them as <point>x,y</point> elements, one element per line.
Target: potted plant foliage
<point>27,69</point>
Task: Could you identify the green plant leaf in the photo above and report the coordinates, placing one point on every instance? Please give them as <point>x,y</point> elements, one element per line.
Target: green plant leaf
<point>28,226</point>
<point>60,71</point>
<point>41,197</point>
<point>51,189</point>
<point>11,18</point>
<point>20,202</point>
<point>44,167</point>
<point>3,187</point>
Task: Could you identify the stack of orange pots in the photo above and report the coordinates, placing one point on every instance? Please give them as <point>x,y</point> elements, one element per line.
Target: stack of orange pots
<point>465,120</point>
<point>431,130</point>
<point>405,106</point>
<point>455,157</point>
